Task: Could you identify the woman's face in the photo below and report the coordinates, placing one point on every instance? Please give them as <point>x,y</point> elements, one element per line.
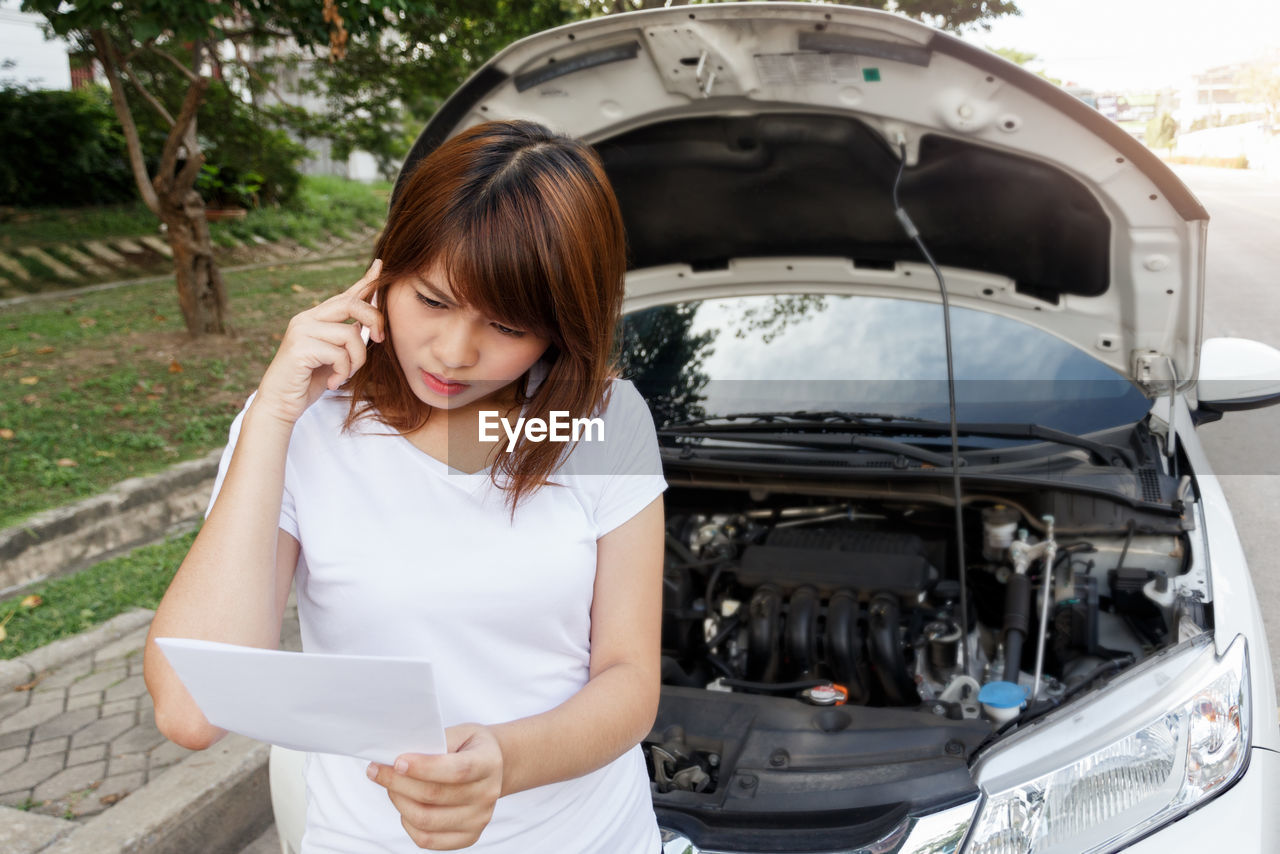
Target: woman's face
<point>452,356</point>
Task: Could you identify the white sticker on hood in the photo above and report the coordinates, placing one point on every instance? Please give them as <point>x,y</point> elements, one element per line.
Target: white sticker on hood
<point>806,69</point>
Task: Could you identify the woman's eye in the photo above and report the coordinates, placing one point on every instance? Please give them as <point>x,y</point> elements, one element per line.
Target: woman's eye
<point>428,301</point>
<point>507,330</point>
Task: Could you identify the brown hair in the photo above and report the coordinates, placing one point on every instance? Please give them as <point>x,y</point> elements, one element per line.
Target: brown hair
<point>527,228</point>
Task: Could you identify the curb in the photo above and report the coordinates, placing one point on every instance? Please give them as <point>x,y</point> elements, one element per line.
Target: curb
<point>132,513</point>
<point>216,801</point>
<point>24,668</point>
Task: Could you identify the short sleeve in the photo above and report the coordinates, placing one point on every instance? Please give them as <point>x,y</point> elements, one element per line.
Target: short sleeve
<point>288,513</point>
<point>628,459</point>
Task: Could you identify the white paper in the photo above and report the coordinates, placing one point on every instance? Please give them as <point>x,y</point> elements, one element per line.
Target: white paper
<point>356,705</point>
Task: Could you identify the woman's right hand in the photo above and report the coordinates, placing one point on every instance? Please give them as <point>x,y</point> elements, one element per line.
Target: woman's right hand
<point>320,350</point>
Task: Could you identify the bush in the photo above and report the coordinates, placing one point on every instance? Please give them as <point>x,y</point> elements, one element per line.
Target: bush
<point>61,149</point>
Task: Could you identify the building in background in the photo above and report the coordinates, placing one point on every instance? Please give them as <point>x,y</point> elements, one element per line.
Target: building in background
<point>27,58</point>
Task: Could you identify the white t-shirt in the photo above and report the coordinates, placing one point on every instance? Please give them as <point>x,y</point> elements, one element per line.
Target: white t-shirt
<point>403,555</point>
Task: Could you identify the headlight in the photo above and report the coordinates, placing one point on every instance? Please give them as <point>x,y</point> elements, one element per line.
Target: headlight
<point>1168,735</point>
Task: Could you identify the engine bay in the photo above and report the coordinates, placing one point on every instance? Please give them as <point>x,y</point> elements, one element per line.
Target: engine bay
<point>818,653</point>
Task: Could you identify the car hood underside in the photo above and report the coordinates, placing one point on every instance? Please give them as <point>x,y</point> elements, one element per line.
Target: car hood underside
<point>772,130</point>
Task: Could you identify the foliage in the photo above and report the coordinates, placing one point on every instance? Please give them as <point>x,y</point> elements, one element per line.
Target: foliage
<point>1260,84</point>
<point>227,187</point>
<point>1161,132</point>
<point>389,83</point>
<point>63,607</point>
<point>60,148</point>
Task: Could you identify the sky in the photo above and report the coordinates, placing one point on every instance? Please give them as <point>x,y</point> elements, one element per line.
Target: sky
<point>1121,45</point>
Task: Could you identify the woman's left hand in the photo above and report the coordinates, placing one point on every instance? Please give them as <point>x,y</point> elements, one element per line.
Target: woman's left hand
<point>446,800</point>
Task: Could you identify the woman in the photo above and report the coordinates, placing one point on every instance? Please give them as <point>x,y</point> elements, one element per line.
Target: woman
<point>529,572</point>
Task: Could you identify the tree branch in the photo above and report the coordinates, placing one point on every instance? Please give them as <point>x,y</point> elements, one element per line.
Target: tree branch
<point>257,75</point>
<point>186,72</point>
<point>147,96</point>
<point>164,181</point>
<point>107,56</point>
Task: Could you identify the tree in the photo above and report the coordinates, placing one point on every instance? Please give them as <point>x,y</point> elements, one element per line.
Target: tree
<point>1161,132</point>
<point>391,81</point>
<point>194,40</point>
<point>1260,84</point>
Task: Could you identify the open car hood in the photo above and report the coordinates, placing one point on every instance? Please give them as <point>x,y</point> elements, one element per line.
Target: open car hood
<point>755,145</point>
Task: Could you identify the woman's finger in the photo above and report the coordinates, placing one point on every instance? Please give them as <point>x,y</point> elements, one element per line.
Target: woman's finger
<point>364,287</point>
<point>346,335</point>
<point>433,792</point>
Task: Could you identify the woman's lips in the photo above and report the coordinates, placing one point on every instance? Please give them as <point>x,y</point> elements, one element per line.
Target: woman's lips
<point>442,386</point>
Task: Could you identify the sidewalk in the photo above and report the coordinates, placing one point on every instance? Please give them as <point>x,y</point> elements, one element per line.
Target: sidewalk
<point>80,738</point>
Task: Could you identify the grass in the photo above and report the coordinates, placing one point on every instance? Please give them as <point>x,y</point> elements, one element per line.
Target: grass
<point>77,602</point>
<point>324,204</point>
<point>105,386</point>
<point>40,226</point>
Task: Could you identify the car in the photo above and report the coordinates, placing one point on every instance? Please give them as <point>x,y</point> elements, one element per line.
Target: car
<point>947,567</point>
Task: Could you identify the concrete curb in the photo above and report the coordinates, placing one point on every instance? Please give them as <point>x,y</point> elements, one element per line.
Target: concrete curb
<point>24,668</point>
<point>216,801</point>
<point>130,514</point>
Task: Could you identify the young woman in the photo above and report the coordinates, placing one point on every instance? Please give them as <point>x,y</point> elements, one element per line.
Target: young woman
<point>530,575</point>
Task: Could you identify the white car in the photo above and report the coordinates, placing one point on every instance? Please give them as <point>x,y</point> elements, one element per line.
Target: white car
<point>840,673</point>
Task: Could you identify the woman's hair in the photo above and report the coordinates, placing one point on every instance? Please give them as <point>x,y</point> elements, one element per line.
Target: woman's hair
<point>527,229</point>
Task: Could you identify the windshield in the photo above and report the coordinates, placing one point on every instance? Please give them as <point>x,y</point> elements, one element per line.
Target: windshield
<point>823,352</point>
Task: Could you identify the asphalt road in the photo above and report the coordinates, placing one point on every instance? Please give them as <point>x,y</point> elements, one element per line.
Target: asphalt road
<point>1242,300</point>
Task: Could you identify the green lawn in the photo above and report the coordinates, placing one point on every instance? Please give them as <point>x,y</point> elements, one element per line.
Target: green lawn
<point>105,386</point>
<point>64,606</point>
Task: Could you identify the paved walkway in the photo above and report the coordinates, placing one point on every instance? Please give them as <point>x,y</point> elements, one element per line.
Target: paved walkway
<point>83,737</point>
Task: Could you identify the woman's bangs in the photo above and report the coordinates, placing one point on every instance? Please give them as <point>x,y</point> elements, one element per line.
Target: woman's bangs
<point>499,268</point>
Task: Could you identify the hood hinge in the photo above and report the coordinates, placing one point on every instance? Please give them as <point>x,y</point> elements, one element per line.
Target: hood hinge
<point>1155,373</point>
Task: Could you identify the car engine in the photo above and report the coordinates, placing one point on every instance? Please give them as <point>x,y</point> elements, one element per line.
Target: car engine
<point>786,617</point>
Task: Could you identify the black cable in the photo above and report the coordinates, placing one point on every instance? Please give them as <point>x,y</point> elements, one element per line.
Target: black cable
<point>914,234</point>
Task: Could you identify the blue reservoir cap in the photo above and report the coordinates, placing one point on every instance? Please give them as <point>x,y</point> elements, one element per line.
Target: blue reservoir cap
<point>1002,695</point>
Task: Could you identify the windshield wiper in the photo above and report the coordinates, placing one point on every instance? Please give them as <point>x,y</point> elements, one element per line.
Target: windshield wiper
<point>843,422</point>
<point>832,442</point>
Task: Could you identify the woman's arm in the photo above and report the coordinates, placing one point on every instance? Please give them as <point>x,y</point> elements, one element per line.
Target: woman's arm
<point>445,801</point>
<point>233,584</point>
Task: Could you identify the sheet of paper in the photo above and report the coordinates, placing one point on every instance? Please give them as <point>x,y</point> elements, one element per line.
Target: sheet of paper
<point>356,705</point>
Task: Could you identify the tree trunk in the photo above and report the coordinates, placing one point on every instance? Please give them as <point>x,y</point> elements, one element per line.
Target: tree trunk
<point>201,291</point>
<point>171,195</point>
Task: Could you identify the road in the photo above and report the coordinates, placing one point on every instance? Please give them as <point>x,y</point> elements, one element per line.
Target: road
<point>1243,300</point>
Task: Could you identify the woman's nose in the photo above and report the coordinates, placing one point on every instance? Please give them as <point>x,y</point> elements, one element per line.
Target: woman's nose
<point>455,346</point>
